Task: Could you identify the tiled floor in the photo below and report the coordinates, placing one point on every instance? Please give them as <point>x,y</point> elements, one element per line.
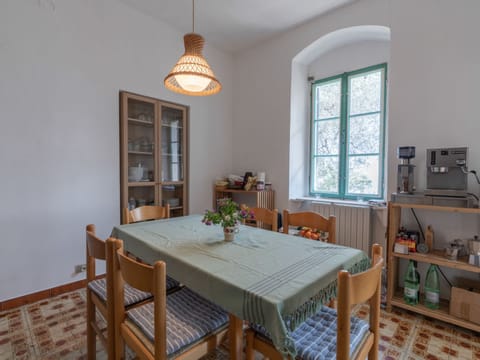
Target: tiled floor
<point>55,329</point>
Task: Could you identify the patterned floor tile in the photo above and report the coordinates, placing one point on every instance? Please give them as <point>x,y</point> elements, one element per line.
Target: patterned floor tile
<point>15,340</point>
<point>55,329</point>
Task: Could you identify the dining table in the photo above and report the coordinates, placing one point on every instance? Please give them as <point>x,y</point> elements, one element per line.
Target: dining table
<point>263,277</point>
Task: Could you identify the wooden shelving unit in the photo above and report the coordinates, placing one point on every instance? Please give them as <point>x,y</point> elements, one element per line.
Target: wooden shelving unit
<point>259,198</point>
<point>395,293</point>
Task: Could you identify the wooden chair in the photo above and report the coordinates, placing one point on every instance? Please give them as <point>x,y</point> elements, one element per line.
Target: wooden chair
<point>312,220</point>
<point>264,216</point>
<point>100,297</point>
<point>355,338</point>
<point>144,213</point>
<point>181,325</point>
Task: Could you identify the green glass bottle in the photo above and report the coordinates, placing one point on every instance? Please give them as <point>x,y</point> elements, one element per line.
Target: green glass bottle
<point>411,284</point>
<point>432,288</point>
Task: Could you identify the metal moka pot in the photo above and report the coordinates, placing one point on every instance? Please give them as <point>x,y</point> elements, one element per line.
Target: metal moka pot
<point>474,245</point>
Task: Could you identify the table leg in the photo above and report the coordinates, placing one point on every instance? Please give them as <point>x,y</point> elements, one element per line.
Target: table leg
<point>235,337</point>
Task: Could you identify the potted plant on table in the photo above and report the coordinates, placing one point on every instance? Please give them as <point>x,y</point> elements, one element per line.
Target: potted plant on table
<point>228,215</point>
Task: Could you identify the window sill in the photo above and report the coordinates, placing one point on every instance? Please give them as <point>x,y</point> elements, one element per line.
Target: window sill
<point>337,202</point>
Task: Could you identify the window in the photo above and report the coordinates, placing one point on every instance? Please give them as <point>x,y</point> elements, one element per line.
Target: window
<point>348,127</point>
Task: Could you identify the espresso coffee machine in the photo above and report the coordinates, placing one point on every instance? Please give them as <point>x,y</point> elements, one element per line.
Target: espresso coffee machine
<point>447,172</point>
<point>405,170</point>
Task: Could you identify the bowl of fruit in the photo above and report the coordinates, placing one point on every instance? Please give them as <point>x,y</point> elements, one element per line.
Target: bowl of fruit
<point>313,234</point>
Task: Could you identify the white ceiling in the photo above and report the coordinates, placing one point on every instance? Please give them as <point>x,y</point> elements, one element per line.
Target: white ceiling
<point>234,25</point>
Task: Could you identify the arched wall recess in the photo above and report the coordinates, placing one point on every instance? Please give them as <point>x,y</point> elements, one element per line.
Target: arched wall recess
<point>300,97</point>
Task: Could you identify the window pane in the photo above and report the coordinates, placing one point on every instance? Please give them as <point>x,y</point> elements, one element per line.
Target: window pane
<point>328,100</point>
<point>363,175</point>
<point>326,174</point>
<point>364,134</point>
<point>328,137</point>
<point>365,93</point>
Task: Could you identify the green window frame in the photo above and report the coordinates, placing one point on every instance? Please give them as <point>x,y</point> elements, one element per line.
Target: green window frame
<point>348,134</point>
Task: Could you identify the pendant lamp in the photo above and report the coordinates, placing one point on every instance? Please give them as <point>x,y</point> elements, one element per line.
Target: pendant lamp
<point>192,75</point>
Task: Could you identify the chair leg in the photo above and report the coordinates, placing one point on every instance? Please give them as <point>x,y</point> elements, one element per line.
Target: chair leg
<point>249,352</point>
<point>91,336</point>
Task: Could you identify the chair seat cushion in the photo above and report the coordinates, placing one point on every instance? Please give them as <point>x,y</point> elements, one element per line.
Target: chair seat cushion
<point>190,318</point>
<point>316,338</point>
<point>132,295</point>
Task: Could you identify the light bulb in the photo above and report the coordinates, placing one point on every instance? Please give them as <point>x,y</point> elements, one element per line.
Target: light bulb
<point>194,83</point>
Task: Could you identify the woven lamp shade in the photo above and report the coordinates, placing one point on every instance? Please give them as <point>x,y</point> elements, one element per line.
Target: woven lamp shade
<point>192,75</point>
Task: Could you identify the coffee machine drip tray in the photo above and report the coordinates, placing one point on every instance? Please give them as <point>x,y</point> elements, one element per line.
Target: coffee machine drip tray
<point>467,201</point>
<point>446,192</point>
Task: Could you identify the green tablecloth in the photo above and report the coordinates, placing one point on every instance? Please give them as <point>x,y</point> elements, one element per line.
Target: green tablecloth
<point>264,277</point>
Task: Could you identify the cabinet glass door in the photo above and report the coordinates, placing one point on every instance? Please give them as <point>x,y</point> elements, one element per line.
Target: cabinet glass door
<point>172,143</point>
<point>173,195</point>
<point>141,152</point>
<point>153,154</point>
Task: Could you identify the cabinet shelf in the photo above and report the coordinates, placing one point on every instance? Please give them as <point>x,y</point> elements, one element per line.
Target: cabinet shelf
<point>172,126</point>
<point>131,152</point>
<point>395,293</point>
<point>436,208</point>
<point>140,122</point>
<point>440,314</point>
<point>227,190</point>
<point>141,183</point>
<point>164,183</point>
<point>436,257</point>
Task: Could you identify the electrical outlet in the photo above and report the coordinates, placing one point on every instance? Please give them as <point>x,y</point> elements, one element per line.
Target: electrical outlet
<point>80,268</point>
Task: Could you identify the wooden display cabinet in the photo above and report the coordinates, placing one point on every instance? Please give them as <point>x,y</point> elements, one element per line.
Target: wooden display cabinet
<point>153,153</point>
<point>395,293</point>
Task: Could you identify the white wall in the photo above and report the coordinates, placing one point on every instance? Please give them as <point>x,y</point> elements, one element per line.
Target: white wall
<point>434,77</point>
<point>262,92</point>
<point>61,69</point>
<point>331,61</point>
<point>433,69</point>
<point>350,57</point>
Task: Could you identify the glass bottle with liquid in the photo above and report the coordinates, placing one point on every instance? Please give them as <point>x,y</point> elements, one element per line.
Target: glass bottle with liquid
<point>432,288</point>
<point>411,284</point>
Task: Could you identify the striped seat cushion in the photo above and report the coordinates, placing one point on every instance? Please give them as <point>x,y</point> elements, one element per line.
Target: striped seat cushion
<point>316,338</point>
<point>132,295</point>
<point>190,318</point>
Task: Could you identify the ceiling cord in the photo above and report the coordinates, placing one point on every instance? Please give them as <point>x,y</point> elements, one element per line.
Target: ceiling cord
<point>193,16</point>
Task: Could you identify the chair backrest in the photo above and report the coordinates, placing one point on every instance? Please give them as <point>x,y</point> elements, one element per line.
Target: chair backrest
<point>355,289</point>
<point>312,220</point>
<point>143,277</point>
<point>144,213</point>
<point>264,216</point>
<point>95,250</point>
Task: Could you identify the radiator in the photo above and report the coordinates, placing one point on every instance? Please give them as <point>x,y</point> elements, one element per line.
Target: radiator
<point>353,223</point>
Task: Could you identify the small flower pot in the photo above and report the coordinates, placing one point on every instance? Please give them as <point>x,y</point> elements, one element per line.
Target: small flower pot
<point>229,232</point>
